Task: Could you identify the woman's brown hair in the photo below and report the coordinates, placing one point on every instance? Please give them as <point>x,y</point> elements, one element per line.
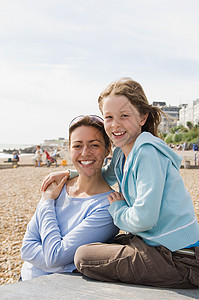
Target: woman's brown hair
<point>93,122</point>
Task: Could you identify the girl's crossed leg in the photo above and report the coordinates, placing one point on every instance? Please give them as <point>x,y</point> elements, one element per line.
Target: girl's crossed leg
<point>128,259</point>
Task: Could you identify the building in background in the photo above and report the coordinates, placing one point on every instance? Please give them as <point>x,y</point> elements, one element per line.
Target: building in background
<point>189,113</point>
<point>172,118</point>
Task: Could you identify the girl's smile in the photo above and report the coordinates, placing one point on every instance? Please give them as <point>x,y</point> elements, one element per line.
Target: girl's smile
<point>119,134</point>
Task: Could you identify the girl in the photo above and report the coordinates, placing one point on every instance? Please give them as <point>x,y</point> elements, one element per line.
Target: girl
<point>162,247</point>
<point>73,214</point>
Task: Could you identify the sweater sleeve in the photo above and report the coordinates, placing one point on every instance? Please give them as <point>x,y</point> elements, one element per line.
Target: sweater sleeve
<point>148,177</point>
<point>59,250</point>
<point>31,250</point>
<point>108,171</point>
<point>73,173</point>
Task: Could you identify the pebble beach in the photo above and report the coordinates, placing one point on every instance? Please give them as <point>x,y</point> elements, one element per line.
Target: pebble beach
<point>19,196</point>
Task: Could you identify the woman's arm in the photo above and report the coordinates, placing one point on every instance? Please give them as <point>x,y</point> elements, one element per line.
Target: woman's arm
<point>31,250</point>
<point>45,247</point>
<point>59,250</point>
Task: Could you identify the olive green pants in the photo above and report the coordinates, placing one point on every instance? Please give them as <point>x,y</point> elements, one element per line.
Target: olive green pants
<point>128,259</point>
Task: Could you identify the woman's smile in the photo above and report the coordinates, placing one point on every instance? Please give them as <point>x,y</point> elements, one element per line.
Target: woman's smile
<point>86,162</point>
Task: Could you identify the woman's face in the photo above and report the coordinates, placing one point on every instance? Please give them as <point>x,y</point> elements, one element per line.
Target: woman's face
<point>87,150</point>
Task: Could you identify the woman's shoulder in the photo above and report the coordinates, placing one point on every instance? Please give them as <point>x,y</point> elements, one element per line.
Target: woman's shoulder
<point>100,200</point>
<point>103,194</point>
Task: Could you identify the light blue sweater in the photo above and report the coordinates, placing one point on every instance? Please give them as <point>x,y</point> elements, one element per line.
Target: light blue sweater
<point>59,227</point>
<point>158,208</point>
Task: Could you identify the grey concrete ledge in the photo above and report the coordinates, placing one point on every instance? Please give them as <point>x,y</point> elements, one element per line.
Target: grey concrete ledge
<point>74,286</point>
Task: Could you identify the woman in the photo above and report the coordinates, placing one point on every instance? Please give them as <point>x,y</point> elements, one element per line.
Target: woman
<point>74,214</point>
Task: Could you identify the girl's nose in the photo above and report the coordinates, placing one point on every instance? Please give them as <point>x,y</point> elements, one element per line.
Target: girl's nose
<point>115,122</point>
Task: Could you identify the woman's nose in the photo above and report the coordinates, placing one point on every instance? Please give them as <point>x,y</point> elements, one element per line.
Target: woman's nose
<point>85,150</point>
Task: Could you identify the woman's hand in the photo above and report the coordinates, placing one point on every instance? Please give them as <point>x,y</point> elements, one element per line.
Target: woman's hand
<point>56,177</point>
<point>54,190</point>
<point>115,196</point>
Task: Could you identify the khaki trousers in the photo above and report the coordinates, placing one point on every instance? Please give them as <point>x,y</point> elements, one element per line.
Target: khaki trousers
<point>128,259</point>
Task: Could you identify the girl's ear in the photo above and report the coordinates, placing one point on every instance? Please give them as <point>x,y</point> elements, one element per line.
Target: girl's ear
<point>143,119</point>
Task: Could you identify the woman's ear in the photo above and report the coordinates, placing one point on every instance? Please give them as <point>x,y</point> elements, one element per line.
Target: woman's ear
<point>143,119</point>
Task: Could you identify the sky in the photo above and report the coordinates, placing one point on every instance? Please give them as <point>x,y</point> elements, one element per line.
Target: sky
<point>56,56</point>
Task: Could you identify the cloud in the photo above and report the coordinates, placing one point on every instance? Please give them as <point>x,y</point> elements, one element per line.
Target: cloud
<point>42,97</point>
<point>56,57</point>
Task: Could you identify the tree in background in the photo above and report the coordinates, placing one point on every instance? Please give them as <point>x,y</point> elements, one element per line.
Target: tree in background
<point>190,125</point>
<point>181,134</point>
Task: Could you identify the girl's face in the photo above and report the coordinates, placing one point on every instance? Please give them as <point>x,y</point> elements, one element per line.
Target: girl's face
<point>87,150</point>
<point>122,121</point>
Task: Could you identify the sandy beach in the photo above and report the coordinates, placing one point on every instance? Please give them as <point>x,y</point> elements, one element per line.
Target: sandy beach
<point>20,193</point>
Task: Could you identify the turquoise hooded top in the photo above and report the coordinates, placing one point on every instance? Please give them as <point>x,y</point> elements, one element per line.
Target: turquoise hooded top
<point>158,207</point>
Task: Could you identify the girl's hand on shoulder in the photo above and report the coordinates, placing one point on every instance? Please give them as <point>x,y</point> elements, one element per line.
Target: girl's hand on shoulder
<point>54,190</point>
<point>54,177</point>
<point>115,196</point>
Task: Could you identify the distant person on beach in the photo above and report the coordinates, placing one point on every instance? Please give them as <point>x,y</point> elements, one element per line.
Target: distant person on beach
<point>73,214</point>
<point>15,158</point>
<point>50,159</point>
<point>56,153</point>
<point>162,245</point>
<point>38,156</point>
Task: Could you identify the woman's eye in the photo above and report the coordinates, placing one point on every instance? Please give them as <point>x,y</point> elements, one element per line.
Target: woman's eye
<point>124,116</point>
<point>94,145</point>
<point>77,146</point>
<point>108,117</point>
